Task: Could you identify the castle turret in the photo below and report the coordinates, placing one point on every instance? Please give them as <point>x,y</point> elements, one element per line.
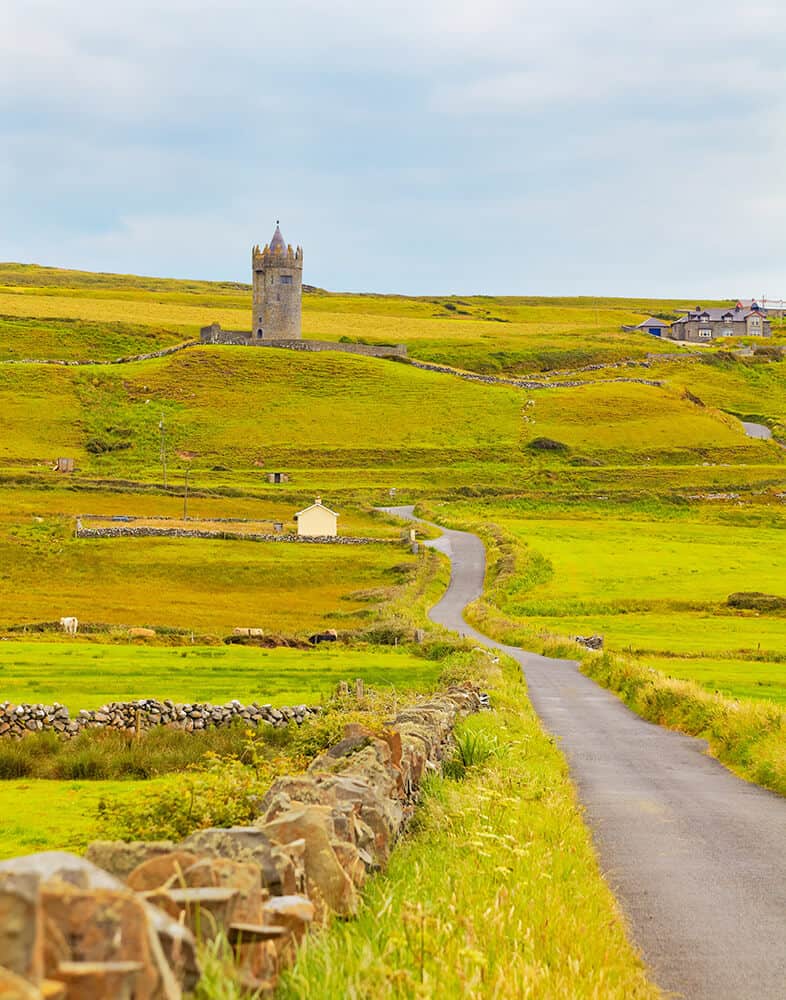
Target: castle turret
<point>277,277</point>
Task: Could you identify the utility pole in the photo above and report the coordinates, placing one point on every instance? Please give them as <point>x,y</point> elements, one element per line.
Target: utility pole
<point>185,495</point>
<point>162,428</point>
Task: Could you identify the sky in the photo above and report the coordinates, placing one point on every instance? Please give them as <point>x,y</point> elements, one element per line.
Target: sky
<point>538,147</point>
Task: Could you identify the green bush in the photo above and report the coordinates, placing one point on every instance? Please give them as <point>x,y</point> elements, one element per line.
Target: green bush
<point>755,601</point>
<point>225,793</point>
<point>547,444</point>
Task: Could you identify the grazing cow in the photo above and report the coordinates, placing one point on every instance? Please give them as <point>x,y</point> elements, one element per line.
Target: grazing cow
<point>70,625</point>
<point>329,635</point>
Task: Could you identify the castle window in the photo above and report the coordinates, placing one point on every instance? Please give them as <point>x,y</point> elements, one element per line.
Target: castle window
<point>286,279</point>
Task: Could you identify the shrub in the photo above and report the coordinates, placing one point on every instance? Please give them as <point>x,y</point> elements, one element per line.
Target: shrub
<point>547,444</point>
<point>104,445</point>
<point>225,793</point>
<point>755,601</point>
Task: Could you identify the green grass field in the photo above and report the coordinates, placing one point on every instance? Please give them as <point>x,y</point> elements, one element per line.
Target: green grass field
<point>231,408</point>
<point>207,586</point>
<point>85,674</point>
<point>39,815</point>
<point>742,678</point>
<point>653,579</point>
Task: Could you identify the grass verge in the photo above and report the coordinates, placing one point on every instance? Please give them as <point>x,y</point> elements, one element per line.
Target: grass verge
<point>749,737</point>
<point>495,892</point>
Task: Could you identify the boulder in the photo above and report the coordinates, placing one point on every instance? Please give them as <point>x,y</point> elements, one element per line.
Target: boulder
<point>14,987</point>
<point>160,870</point>
<point>328,884</point>
<point>173,944</point>
<point>109,925</point>
<point>246,878</point>
<point>351,861</point>
<point>101,980</point>
<point>21,925</point>
<point>120,858</point>
<point>248,843</point>
<point>243,876</point>
<point>295,913</point>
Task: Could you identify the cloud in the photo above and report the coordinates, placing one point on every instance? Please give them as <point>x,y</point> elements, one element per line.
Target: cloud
<point>166,136</point>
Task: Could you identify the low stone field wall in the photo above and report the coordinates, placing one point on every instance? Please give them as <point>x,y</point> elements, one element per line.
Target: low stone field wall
<point>214,335</point>
<point>127,359</point>
<point>132,531</point>
<point>124,922</point>
<point>523,383</point>
<point>17,721</point>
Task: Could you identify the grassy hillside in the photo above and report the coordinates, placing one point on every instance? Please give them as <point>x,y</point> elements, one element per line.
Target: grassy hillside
<point>613,506</point>
<point>244,409</point>
<point>481,333</point>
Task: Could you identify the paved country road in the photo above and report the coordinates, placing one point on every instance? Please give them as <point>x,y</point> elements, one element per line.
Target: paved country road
<point>696,856</point>
<point>757,430</point>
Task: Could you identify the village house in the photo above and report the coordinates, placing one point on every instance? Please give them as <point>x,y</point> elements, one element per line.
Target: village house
<point>317,521</point>
<point>700,325</point>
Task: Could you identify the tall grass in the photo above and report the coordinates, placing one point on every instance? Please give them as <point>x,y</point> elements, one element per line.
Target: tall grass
<point>747,736</point>
<point>494,893</point>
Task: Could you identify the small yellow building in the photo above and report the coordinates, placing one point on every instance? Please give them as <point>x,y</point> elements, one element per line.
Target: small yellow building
<point>317,521</point>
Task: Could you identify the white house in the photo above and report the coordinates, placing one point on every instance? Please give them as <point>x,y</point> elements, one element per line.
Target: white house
<point>317,520</point>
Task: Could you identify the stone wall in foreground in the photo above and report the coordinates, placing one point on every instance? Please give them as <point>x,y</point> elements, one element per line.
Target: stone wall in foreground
<point>124,923</point>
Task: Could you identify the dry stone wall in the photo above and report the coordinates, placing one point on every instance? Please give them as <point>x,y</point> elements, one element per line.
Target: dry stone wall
<point>124,922</point>
<point>17,721</point>
<point>127,359</point>
<point>523,383</point>
<point>132,531</point>
<point>214,334</point>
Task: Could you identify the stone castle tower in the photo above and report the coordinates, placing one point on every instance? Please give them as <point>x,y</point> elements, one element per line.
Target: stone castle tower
<point>277,277</point>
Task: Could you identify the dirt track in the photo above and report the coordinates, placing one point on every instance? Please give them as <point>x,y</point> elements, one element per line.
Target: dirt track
<point>696,856</point>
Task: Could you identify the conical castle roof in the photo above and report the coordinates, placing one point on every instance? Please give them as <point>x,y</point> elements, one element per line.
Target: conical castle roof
<point>278,243</point>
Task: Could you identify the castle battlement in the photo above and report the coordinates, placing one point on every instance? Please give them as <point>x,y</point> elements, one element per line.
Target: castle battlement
<point>277,257</point>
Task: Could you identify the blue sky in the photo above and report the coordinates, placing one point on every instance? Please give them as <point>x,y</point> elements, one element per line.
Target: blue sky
<point>550,147</point>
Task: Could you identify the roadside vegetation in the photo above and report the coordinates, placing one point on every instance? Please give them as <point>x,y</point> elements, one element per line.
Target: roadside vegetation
<point>495,890</point>
<point>745,734</point>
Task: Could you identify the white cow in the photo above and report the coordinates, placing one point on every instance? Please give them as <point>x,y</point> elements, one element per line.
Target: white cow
<point>70,625</point>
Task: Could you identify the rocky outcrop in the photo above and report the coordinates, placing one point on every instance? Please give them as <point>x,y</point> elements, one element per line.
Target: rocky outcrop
<point>594,642</point>
<point>17,721</point>
<point>123,922</point>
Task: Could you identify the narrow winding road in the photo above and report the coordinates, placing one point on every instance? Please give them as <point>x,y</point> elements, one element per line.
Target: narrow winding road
<point>695,856</point>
